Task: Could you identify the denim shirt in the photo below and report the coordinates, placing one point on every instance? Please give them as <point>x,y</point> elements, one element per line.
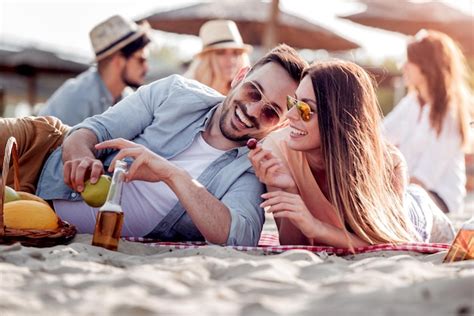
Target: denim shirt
<point>79,98</point>
<point>165,116</point>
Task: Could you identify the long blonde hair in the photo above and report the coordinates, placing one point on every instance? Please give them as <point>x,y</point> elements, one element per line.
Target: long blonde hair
<point>202,69</point>
<point>358,162</point>
<point>444,67</point>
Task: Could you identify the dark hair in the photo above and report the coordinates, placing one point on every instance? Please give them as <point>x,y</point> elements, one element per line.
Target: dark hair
<point>286,57</point>
<point>137,44</point>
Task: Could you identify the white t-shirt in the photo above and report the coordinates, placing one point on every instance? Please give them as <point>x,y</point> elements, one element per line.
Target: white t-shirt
<point>144,204</point>
<point>437,161</point>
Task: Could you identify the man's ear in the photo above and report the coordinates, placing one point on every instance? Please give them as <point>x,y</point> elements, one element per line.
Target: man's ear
<point>241,74</point>
<point>118,60</point>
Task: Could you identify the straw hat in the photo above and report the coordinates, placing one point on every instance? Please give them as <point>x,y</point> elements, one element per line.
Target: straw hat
<point>221,34</point>
<point>114,34</point>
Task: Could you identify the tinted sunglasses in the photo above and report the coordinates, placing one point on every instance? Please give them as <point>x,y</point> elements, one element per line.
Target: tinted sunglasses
<point>253,94</point>
<point>303,108</point>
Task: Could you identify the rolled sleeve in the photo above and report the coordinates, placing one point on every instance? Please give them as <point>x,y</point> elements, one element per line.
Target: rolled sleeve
<point>99,130</point>
<point>247,217</point>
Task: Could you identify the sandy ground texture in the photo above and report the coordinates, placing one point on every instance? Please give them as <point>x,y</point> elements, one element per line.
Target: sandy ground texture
<point>79,279</point>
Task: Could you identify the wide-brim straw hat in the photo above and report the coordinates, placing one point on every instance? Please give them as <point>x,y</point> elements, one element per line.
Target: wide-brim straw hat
<point>221,34</point>
<point>113,34</point>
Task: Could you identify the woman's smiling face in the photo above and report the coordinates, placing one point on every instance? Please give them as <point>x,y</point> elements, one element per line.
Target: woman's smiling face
<point>304,135</point>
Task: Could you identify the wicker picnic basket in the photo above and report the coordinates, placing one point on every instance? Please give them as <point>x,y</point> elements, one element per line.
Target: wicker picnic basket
<point>27,237</point>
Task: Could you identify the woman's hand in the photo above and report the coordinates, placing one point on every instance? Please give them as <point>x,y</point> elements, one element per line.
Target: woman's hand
<point>270,169</point>
<point>147,166</point>
<point>291,206</point>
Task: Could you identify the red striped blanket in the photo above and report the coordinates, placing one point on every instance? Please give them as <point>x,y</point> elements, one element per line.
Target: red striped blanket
<point>269,243</point>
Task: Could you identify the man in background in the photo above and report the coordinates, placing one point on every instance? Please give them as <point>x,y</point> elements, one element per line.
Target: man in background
<point>120,47</point>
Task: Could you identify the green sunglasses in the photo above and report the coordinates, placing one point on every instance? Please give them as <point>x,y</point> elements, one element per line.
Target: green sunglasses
<point>303,108</point>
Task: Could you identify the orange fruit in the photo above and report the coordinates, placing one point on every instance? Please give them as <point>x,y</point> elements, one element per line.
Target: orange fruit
<point>28,214</point>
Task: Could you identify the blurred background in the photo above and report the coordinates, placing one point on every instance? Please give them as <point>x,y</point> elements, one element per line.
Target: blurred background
<point>44,42</point>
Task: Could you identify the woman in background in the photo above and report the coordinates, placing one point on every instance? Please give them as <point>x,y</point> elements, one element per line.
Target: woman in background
<point>331,176</point>
<point>430,125</point>
<point>222,56</point>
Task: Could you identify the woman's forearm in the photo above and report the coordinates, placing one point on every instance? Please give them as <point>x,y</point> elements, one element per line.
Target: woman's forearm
<point>296,224</point>
<point>329,235</point>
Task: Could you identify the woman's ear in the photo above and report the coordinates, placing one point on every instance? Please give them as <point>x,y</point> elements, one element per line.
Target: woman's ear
<point>241,74</point>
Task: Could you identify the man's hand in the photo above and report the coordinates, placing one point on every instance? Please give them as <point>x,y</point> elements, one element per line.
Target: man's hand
<point>79,160</point>
<point>147,166</point>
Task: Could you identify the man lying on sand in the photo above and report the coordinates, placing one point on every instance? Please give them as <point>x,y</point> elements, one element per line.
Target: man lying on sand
<point>205,188</point>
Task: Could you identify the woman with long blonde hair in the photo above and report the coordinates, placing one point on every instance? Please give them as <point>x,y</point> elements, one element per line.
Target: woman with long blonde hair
<point>332,178</point>
<point>222,56</point>
<point>430,125</point>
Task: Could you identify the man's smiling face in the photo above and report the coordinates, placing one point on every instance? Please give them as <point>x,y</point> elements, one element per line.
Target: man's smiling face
<point>257,104</point>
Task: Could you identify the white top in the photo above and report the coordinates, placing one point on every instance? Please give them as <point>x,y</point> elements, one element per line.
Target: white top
<point>144,204</point>
<point>437,161</point>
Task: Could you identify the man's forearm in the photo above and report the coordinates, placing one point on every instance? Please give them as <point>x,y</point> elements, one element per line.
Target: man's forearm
<point>210,215</point>
<point>80,143</point>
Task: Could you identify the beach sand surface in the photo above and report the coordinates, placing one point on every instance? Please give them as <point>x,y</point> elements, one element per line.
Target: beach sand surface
<point>79,279</point>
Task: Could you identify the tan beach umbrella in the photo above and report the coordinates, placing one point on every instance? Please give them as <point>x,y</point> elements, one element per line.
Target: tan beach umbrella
<point>408,17</point>
<point>256,20</point>
<point>37,60</point>
<point>32,62</point>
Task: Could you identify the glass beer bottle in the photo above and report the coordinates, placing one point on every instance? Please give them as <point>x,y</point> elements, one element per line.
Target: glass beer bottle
<point>108,226</point>
<point>462,247</point>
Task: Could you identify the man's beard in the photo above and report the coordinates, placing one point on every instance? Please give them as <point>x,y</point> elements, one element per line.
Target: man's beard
<point>226,128</point>
<point>129,83</point>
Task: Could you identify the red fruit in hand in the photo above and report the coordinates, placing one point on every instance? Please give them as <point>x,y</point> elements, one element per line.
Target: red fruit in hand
<point>252,143</point>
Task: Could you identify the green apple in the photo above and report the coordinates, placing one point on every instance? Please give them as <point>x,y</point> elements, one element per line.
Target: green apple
<point>11,195</point>
<point>96,194</point>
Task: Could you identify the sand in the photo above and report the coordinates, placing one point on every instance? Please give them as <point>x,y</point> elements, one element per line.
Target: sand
<point>79,279</point>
